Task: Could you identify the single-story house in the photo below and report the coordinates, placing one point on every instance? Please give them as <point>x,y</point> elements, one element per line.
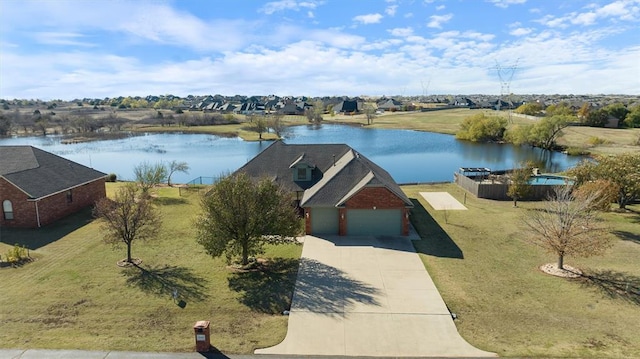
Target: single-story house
<point>340,191</point>
<point>37,187</point>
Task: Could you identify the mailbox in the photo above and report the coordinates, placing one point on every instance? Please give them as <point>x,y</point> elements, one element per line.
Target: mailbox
<point>203,337</point>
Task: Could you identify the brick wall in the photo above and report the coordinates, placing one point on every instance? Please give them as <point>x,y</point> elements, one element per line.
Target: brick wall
<point>379,197</point>
<point>24,212</point>
<point>50,208</point>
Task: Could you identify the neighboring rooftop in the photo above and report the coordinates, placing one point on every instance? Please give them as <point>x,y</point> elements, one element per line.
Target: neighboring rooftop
<point>39,173</point>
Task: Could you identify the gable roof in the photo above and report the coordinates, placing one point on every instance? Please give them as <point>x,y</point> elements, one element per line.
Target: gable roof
<point>339,172</point>
<point>39,173</point>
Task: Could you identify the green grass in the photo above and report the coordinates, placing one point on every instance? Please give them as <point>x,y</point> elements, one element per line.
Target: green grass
<point>488,275</point>
<point>73,296</point>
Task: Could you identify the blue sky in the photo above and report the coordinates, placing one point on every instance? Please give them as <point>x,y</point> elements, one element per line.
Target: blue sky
<point>60,49</point>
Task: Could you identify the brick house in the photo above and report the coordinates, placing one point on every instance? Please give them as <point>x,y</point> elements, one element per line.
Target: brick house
<point>37,187</point>
<point>340,191</point>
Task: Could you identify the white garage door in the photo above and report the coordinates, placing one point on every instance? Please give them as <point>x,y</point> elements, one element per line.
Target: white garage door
<point>365,222</point>
<point>324,221</point>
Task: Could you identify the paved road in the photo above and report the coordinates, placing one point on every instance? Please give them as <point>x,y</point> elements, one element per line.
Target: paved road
<point>368,296</point>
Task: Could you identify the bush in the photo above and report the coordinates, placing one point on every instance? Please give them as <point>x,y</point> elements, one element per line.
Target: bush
<point>16,254</point>
<point>595,140</point>
<point>111,177</point>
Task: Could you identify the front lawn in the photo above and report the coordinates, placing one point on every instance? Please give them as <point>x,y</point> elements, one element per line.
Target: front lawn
<point>73,296</point>
<point>488,275</point>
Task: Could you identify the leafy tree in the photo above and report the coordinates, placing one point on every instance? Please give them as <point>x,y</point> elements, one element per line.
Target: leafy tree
<point>597,118</point>
<point>127,217</point>
<point>519,135</point>
<point>584,111</point>
<point>621,170</point>
<point>529,108</point>
<point>259,125</point>
<point>603,191</point>
<point>546,131</point>
<point>567,227</point>
<point>370,113</point>
<point>176,166</point>
<point>633,117</point>
<point>617,110</point>
<point>480,127</point>
<point>239,216</point>
<point>149,175</point>
<point>560,109</point>
<point>519,186</point>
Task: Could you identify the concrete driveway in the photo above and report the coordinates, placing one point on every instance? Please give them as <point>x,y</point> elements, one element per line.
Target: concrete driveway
<point>368,296</point>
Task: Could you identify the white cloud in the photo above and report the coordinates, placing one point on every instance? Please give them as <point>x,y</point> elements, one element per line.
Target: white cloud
<point>310,14</point>
<point>391,10</point>
<point>401,31</point>
<point>440,7</point>
<point>506,3</point>
<point>520,31</point>
<point>368,18</point>
<point>282,5</point>
<point>62,39</point>
<point>436,21</point>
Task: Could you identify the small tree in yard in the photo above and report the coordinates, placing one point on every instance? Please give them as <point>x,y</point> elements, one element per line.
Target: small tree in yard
<point>519,186</point>
<point>149,175</point>
<point>567,227</point>
<point>239,216</point>
<point>127,217</point>
<point>176,166</point>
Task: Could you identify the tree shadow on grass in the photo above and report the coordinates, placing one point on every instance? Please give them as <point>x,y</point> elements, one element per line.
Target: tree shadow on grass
<point>615,285</point>
<point>169,201</point>
<point>167,280</point>
<point>269,289</point>
<point>434,240</point>
<point>627,236</point>
<point>34,238</point>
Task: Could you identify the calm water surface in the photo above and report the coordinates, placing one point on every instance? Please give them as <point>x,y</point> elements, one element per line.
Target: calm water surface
<point>410,156</point>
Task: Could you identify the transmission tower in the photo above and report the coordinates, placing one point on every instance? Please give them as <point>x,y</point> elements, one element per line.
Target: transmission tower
<point>505,73</point>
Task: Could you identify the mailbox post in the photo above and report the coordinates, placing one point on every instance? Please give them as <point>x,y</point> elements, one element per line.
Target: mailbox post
<point>203,337</point>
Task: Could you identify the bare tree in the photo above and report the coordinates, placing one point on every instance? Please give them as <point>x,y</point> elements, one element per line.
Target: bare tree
<point>149,175</point>
<point>567,227</point>
<point>370,113</point>
<point>127,217</point>
<point>175,166</point>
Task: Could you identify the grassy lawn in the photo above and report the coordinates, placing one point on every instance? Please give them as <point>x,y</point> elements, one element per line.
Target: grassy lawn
<point>488,275</point>
<point>74,296</point>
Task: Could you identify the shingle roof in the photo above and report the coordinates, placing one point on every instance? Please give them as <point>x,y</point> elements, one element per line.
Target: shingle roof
<point>339,173</point>
<point>39,173</point>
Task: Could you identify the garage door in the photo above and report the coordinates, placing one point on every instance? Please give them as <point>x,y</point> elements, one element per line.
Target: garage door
<point>324,221</point>
<point>374,222</point>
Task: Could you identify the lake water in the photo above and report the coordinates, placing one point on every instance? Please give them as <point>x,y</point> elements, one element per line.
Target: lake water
<point>410,156</point>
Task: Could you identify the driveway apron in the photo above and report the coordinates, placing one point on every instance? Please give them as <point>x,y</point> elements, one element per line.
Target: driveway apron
<point>368,296</point>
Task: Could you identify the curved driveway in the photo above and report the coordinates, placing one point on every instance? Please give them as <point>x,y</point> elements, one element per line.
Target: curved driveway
<point>368,296</point>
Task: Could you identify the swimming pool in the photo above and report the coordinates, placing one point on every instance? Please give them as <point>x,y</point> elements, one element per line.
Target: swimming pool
<point>549,180</point>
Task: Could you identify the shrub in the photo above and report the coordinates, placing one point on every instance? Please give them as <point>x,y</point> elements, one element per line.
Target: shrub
<point>16,254</point>
<point>111,177</point>
<point>577,151</point>
<point>595,140</point>
<point>605,192</point>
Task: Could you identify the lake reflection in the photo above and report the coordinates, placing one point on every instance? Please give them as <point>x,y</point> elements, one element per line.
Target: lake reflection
<point>410,156</point>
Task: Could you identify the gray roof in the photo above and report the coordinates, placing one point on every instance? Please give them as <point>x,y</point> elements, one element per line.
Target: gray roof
<point>39,173</point>
<point>339,172</point>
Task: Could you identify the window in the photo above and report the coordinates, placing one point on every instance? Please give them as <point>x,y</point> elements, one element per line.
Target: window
<point>302,173</point>
<point>69,196</point>
<point>7,208</point>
